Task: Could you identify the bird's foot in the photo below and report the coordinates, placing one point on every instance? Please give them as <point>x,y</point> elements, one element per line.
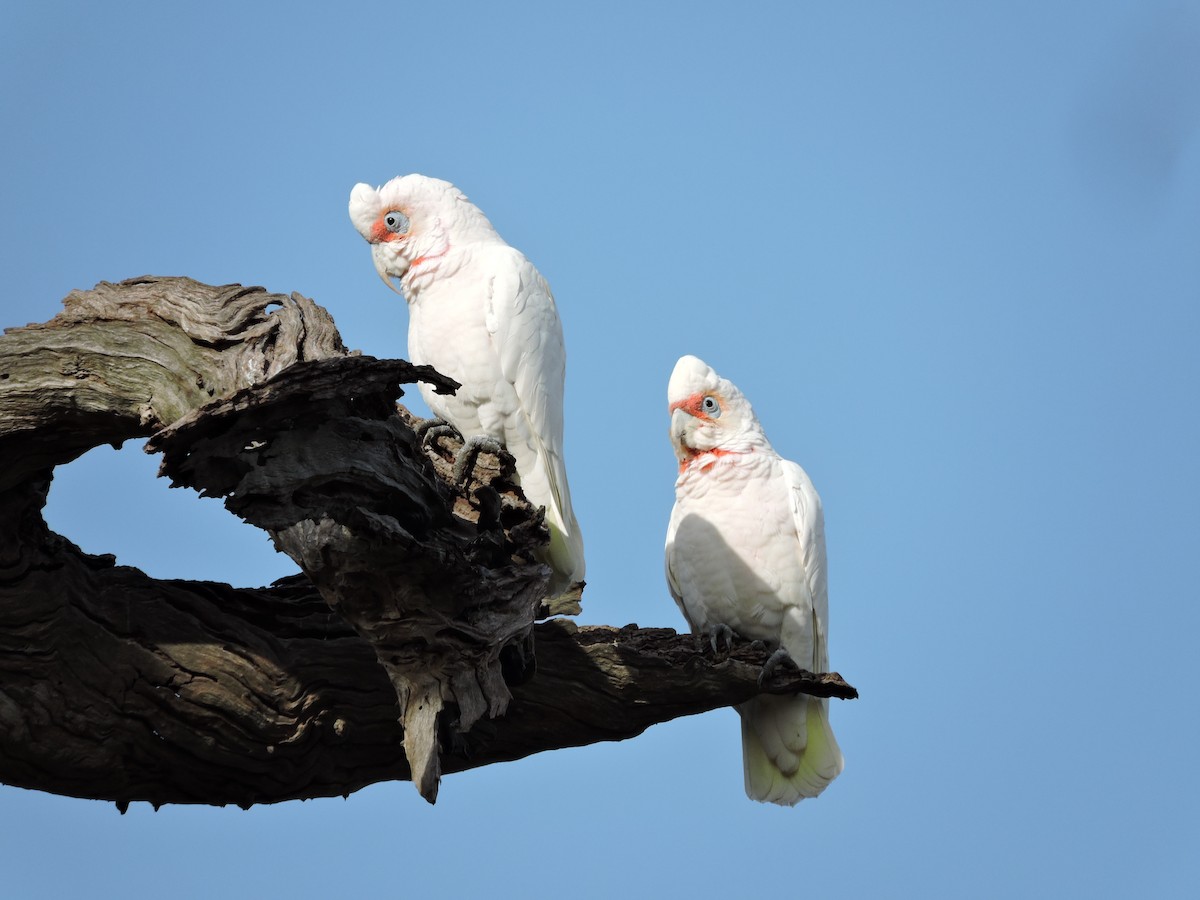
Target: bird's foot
<point>718,635</point>
<point>429,430</point>
<point>469,453</point>
<point>774,661</point>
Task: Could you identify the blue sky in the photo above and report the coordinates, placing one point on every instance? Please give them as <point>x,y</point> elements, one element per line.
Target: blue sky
<point>948,251</point>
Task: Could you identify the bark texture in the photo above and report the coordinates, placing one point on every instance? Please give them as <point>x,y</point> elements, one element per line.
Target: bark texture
<point>408,647</point>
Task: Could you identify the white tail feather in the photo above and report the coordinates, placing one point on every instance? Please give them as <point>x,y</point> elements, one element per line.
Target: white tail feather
<point>788,748</point>
<point>544,481</point>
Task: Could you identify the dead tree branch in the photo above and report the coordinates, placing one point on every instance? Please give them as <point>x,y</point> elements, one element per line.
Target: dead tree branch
<point>407,648</point>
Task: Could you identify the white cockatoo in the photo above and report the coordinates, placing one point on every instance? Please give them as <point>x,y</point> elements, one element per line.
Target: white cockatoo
<point>482,314</point>
<point>746,554</point>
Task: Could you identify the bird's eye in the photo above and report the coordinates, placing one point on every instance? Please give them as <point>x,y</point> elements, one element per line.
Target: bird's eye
<point>396,222</point>
<point>710,407</point>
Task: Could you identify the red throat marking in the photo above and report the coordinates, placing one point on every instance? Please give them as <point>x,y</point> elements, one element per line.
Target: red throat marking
<point>420,260</point>
<point>715,453</point>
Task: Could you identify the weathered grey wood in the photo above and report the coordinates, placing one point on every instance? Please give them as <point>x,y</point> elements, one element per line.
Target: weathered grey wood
<point>118,686</point>
<point>123,360</point>
<point>319,458</point>
<point>418,599</point>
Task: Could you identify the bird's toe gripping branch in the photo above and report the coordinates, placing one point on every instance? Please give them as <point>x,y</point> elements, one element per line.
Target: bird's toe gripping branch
<point>774,661</point>
<point>467,456</point>
<point>429,430</point>
<point>719,634</point>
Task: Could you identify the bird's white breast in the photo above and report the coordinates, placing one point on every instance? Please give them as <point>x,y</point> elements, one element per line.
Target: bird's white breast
<point>735,554</point>
<point>448,330</point>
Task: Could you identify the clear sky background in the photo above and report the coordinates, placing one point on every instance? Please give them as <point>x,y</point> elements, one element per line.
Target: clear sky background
<point>948,250</point>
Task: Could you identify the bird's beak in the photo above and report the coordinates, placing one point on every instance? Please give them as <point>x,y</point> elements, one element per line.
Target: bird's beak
<point>681,427</point>
<point>382,267</point>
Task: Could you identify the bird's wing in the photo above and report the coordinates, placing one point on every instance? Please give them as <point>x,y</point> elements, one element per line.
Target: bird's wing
<point>673,584</point>
<point>528,339</point>
<point>810,534</point>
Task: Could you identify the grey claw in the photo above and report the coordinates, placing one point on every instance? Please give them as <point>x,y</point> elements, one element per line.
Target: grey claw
<point>721,633</point>
<point>470,451</point>
<point>774,661</point>
<point>428,430</point>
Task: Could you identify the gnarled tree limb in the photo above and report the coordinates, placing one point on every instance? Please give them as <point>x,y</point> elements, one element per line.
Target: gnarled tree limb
<point>411,631</point>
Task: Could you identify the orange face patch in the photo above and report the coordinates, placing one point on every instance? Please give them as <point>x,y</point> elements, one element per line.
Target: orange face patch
<point>380,233</point>
<point>693,406</point>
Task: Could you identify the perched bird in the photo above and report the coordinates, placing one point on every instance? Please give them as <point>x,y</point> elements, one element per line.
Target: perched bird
<point>746,555</point>
<point>482,314</point>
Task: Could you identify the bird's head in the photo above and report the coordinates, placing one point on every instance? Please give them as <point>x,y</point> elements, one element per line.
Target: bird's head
<point>409,221</point>
<point>709,414</point>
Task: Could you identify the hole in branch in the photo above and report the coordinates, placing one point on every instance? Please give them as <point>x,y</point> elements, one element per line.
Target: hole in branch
<point>111,501</point>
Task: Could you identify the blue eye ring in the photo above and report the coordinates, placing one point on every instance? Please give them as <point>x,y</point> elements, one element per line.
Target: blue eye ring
<point>396,222</point>
<point>710,407</point>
